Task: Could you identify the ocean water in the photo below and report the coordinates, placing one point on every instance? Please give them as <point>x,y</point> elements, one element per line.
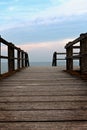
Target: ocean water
<point>4,65</point>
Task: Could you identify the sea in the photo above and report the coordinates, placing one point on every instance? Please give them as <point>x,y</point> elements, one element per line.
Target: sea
<point>4,65</point>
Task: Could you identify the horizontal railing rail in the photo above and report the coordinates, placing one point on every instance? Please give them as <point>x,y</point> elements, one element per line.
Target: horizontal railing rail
<point>14,60</point>
<point>55,58</point>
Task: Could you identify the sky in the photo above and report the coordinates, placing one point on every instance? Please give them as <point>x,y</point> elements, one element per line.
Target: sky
<point>41,27</point>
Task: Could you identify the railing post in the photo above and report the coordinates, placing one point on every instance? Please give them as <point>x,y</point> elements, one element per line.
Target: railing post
<point>26,60</point>
<point>54,63</point>
<point>11,62</point>
<point>83,52</point>
<point>22,53</point>
<point>18,60</point>
<point>69,60</point>
<point>0,55</point>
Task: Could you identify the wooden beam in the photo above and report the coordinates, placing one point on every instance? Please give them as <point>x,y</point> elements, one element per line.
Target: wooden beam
<point>61,53</point>
<point>76,47</point>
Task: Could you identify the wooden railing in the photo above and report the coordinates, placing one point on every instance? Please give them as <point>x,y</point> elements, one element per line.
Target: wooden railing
<point>56,57</point>
<point>16,58</point>
<point>82,56</point>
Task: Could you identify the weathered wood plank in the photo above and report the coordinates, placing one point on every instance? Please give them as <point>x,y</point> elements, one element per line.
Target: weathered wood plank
<point>43,106</point>
<point>44,115</point>
<point>44,126</point>
<point>42,84</point>
<point>42,98</point>
<point>35,87</point>
<point>44,81</point>
<point>46,93</point>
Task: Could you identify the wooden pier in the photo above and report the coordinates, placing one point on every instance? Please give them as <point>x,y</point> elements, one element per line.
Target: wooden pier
<point>43,98</point>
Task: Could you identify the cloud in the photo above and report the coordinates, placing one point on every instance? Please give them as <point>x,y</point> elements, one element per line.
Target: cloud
<point>63,11</point>
<point>56,12</point>
<point>3,3</point>
<point>74,7</point>
<point>11,8</point>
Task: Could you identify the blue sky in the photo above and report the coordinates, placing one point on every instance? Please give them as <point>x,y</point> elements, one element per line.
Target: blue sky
<point>42,26</point>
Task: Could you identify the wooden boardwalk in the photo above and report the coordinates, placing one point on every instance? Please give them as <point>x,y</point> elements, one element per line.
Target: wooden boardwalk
<point>43,98</point>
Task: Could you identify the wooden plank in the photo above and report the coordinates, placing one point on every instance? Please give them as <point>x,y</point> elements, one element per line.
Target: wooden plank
<point>26,106</point>
<point>44,125</point>
<point>44,93</point>
<point>23,85</point>
<point>33,77</point>
<point>50,87</point>
<point>44,115</point>
<point>42,98</point>
<point>51,81</point>
<point>45,83</point>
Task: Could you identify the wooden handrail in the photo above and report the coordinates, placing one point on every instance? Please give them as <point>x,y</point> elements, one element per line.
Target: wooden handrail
<point>55,59</point>
<point>21,58</point>
<point>82,56</point>
<point>82,36</point>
